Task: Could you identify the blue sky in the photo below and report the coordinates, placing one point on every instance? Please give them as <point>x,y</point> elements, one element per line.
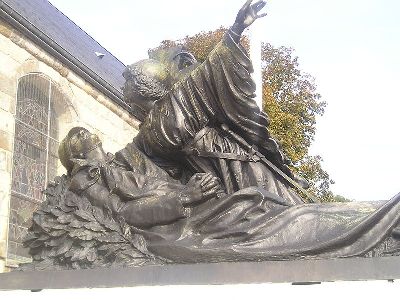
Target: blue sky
<point>350,47</point>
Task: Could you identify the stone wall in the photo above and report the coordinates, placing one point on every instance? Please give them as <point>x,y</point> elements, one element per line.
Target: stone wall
<point>84,106</point>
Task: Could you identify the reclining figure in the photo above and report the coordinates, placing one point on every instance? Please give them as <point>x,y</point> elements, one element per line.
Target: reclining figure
<point>106,211</point>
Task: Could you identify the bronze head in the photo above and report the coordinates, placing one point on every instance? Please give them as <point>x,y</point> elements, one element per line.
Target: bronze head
<point>78,142</point>
<point>148,80</point>
<point>177,59</point>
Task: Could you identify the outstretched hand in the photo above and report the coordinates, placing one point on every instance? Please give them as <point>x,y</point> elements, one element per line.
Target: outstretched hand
<point>247,15</point>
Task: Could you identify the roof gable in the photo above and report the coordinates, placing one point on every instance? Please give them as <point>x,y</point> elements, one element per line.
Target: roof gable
<point>56,30</point>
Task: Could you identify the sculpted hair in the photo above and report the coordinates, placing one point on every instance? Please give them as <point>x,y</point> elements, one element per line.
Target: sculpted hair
<point>68,151</point>
<point>64,149</point>
<point>148,79</point>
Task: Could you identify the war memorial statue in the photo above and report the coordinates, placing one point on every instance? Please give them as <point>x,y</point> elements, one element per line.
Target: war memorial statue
<point>203,181</point>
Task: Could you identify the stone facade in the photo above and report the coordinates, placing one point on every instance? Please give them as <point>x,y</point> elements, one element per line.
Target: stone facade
<point>83,106</point>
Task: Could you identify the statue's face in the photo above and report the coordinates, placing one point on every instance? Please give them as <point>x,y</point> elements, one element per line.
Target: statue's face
<point>177,60</point>
<point>145,82</point>
<point>182,64</point>
<point>82,142</point>
<point>148,80</point>
<point>135,100</point>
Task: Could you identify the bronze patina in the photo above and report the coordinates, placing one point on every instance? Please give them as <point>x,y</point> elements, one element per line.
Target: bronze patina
<point>203,181</point>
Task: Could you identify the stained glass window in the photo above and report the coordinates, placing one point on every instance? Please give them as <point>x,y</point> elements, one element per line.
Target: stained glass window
<point>35,155</point>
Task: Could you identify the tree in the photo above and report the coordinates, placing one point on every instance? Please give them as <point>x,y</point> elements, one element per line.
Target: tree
<point>290,99</point>
<point>339,198</point>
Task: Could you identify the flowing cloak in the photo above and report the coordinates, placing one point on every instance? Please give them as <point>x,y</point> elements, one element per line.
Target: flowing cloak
<point>183,130</point>
<point>253,224</point>
<point>250,224</point>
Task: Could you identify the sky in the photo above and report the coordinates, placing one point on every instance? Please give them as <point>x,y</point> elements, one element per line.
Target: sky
<point>350,47</point>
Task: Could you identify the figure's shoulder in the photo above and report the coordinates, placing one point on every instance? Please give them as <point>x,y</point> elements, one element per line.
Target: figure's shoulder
<point>160,116</point>
<point>85,174</point>
<point>138,157</point>
<point>79,181</point>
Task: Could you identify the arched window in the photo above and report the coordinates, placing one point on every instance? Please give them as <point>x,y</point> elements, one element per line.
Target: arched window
<point>35,155</point>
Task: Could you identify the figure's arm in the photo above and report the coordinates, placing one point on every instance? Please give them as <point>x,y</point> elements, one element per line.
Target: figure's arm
<point>148,208</point>
<point>82,183</point>
<point>245,17</point>
<point>226,91</point>
<point>143,212</point>
<point>169,207</point>
<point>221,88</point>
<point>223,82</point>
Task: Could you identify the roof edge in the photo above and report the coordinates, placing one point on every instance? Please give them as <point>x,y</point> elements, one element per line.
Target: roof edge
<point>36,35</point>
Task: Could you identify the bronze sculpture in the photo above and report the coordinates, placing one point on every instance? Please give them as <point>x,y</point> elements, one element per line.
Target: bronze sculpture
<point>106,212</point>
<point>222,202</point>
<point>197,109</point>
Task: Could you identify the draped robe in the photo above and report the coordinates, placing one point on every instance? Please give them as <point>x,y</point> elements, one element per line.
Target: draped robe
<point>183,133</point>
<point>250,224</point>
<point>254,224</point>
<point>261,217</point>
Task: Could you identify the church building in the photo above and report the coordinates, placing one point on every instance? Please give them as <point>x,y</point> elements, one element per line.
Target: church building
<point>53,76</point>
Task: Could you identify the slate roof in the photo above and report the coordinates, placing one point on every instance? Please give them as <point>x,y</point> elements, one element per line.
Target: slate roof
<point>54,31</point>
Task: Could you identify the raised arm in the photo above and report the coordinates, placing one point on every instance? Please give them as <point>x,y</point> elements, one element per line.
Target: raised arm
<point>246,16</point>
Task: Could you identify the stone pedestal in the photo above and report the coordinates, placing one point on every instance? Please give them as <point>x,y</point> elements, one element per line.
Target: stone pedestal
<point>299,271</point>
